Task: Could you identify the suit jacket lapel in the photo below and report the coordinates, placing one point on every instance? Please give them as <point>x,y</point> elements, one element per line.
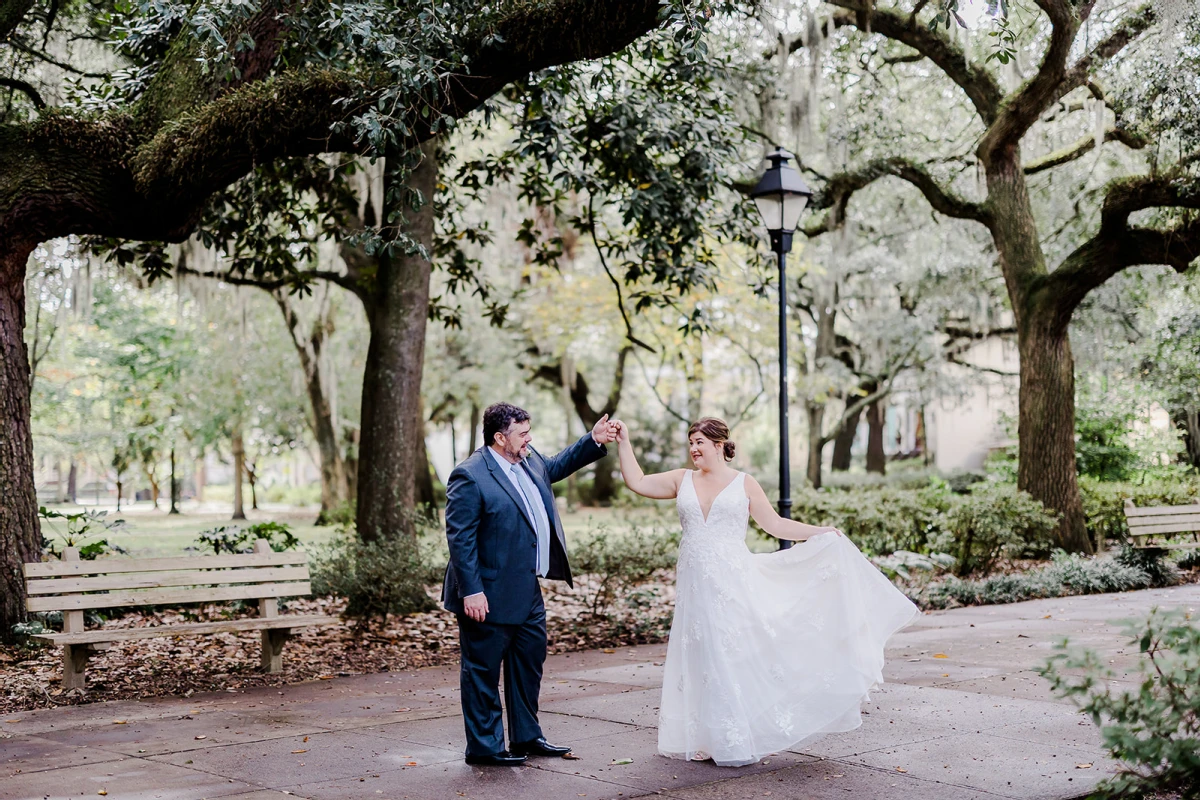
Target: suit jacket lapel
<point>507,486</point>
<point>547,495</point>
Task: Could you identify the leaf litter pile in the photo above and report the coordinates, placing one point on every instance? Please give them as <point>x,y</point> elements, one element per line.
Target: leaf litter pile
<point>31,676</point>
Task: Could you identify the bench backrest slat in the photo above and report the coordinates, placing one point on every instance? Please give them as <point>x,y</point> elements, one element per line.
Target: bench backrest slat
<point>1164,519</point>
<point>1150,530</point>
<point>156,580</point>
<point>79,602</point>
<point>1156,511</point>
<point>108,566</point>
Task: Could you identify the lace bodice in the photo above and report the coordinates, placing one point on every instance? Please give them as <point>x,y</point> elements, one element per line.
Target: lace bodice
<point>727,519</point>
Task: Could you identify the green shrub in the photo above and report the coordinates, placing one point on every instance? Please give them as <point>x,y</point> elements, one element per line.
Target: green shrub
<point>878,521</point>
<point>341,515</point>
<point>1065,575</point>
<point>240,539</point>
<point>1102,448</point>
<point>994,521</point>
<point>79,530</point>
<point>1104,502</point>
<point>1189,560</point>
<point>1154,730</point>
<point>621,561</point>
<point>1155,563</point>
<point>377,578</point>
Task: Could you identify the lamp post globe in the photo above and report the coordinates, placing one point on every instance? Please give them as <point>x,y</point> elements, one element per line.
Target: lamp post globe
<point>781,196</point>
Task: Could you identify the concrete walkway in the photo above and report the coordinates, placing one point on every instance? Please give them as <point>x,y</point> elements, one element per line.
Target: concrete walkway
<point>976,723</point>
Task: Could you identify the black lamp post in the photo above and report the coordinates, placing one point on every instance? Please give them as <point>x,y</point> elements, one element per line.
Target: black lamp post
<point>781,196</point>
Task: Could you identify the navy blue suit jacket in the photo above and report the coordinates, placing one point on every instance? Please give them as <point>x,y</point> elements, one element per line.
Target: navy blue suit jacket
<point>493,546</point>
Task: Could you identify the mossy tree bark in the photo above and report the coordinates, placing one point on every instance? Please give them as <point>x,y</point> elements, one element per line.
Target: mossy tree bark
<point>843,443</point>
<point>876,456</point>
<point>397,305</point>
<point>20,534</point>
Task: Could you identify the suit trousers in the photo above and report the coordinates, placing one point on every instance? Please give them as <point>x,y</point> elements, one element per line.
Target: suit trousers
<point>521,649</point>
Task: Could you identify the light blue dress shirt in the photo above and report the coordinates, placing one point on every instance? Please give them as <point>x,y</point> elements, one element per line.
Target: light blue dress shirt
<point>535,509</point>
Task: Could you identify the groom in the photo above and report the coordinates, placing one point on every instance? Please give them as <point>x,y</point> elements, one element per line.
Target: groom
<point>504,532</point>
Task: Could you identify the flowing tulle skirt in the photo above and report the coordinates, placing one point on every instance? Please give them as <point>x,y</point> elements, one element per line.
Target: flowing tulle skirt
<point>769,651</point>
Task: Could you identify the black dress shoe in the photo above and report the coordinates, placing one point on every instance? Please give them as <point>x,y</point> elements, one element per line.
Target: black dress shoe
<point>540,747</point>
<point>501,759</point>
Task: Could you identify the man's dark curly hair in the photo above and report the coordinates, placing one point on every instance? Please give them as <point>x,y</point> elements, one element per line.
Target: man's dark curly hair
<point>497,417</point>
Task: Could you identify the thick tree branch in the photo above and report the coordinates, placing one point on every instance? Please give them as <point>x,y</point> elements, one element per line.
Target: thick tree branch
<point>26,89</point>
<point>579,390</point>
<point>835,195</point>
<point>1118,245</point>
<point>49,59</point>
<point>12,14</point>
<point>1054,80</point>
<point>146,175</point>
<point>1082,147</point>
<point>270,284</point>
<point>974,79</point>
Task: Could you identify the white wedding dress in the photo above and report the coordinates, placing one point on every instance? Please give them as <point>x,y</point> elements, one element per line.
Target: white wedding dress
<point>768,651</point>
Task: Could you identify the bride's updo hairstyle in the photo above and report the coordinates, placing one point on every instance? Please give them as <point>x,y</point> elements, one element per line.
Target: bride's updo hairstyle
<point>716,431</point>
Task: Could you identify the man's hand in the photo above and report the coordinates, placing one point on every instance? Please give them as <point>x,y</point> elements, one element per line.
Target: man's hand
<point>604,431</point>
<point>475,606</point>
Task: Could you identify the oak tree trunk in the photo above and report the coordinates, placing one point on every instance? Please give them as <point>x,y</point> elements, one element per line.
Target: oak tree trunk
<point>391,454</point>
<point>20,535</point>
<point>1046,403</point>
<point>239,467</point>
<point>73,483</point>
<point>335,487</point>
<point>844,442</point>
<point>1046,430</point>
<point>1188,421</point>
<point>876,457</point>
<point>475,418</point>
<point>816,442</point>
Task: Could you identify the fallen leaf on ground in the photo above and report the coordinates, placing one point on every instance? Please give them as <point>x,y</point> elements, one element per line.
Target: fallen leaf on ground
<point>119,722</point>
<point>294,752</point>
<point>608,650</point>
<point>940,655</point>
<point>1083,766</point>
<point>306,738</point>
<point>901,769</point>
<point>411,764</point>
<point>201,736</point>
<point>570,757</point>
<point>102,792</point>
<point>616,762</point>
<point>401,710</point>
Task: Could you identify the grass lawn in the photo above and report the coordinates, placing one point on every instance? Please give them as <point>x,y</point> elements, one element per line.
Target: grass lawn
<point>150,532</point>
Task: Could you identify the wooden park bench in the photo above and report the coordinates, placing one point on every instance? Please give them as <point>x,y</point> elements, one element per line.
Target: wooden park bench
<point>72,586</point>
<point>1163,527</point>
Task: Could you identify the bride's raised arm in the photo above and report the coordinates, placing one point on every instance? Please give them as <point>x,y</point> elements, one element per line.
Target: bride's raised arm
<point>660,486</point>
<point>769,520</point>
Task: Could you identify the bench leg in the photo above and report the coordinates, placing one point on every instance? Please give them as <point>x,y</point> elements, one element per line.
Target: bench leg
<point>75,658</point>
<point>272,649</point>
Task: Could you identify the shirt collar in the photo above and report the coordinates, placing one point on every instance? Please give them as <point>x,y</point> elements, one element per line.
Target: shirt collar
<point>502,461</point>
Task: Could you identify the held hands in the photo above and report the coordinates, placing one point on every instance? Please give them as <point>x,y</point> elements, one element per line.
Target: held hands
<point>605,430</point>
<point>475,606</point>
<point>622,431</point>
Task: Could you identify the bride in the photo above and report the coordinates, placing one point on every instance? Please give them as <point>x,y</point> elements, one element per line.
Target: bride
<point>767,651</point>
